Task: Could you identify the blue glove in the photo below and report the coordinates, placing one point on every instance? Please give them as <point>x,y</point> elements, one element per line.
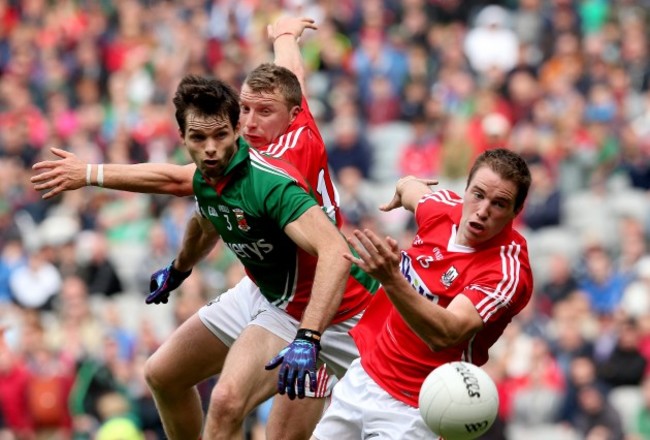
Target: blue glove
<point>297,361</point>
<point>163,282</point>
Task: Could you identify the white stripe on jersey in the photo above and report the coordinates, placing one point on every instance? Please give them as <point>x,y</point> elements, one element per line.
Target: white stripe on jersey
<point>442,196</point>
<point>289,291</point>
<point>285,142</point>
<point>510,267</point>
<point>258,161</point>
<point>467,354</point>
<point>501,296</point>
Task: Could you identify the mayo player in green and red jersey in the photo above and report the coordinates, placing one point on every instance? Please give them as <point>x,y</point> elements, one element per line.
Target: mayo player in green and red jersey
<point>276,120</point>
<point>305,294</point>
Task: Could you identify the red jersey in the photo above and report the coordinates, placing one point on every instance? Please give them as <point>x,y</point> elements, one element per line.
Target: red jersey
<point>496,277</point>
<point>303,147</point>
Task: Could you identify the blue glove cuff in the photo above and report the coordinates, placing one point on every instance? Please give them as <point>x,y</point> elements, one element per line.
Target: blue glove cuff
<point>312,336</point>
<point>177,273</point>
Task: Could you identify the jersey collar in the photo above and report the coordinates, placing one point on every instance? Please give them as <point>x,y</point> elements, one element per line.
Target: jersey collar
<point>241,155</point>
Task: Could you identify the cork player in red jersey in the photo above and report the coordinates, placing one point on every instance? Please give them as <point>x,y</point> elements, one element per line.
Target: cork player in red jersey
<point>446,298</point>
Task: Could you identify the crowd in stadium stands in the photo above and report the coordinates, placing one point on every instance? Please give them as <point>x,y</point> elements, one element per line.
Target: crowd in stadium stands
<point>398,87</point>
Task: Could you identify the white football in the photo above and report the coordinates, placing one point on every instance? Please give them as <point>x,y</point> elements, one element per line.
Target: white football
<point>459,401</point>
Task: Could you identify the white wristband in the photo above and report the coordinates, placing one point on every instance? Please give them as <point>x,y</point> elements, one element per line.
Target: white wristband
<point>100,175</point>
<point>89,169</point>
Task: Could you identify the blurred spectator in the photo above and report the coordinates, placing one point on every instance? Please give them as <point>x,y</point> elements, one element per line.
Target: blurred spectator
<point>420,157</point>
<point>77,331</point>
<point>523,91</point>
<point>633,246</point>
<point>625,365</point>
<point>329,51</point>
<point>96,268</point>
<point>602,283</point>
<point>565,63</point>
<point>159,254</point>
<point>173,218</point>
<point>528,25</point>
<point>14,380</point>
<point>125,218</point>
<point>35,284</point>
<point>116,422</point>
<point>383,104</point>
<point>457,151</point>
<point>570,341</point>
<point>636,301</point>
<point>582,373</point>
<point>350,147</point>
<point>538,395</point>
<point>491,44</point>
<point>190,297</point>
<point>544,200</point>
<point>12,256</point>
<point>51,375</point>
<point>642,424</point>
<point>559,284</point>
<point>488,126</point>
<point>354,205</point>
<point>635,152</point>
<point>376,56</point>
<point>596,418</point>
<point>96,378</point>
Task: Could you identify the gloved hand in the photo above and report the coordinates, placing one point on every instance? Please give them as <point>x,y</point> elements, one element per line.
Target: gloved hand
<point>296,361</point>
<point>163,282</point>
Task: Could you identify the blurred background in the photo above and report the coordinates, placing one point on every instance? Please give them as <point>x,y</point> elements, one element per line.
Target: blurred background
<point>398,87</point>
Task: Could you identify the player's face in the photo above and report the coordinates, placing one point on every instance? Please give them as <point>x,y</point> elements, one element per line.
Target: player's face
<point>488,206</point>
<point>211,142</point>
<point>264,117</point>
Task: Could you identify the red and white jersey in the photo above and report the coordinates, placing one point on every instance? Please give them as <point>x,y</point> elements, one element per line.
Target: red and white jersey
<point>303,147</point>
<point>496,277</point>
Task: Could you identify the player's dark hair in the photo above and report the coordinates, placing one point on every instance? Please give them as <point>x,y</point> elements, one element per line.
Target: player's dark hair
<point>269,78</point>
<point>510,166</point>
<point>207,97</point>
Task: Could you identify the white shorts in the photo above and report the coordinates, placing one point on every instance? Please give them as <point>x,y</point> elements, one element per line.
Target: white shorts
<point>361,409</point>
<point>230,313</point>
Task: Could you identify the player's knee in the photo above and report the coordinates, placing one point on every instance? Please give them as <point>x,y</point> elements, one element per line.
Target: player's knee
<point>153,374</point>
<point>227,404</point>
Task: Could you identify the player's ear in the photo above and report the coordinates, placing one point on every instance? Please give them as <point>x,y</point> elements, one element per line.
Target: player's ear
<point>293,113</point>
<point>237,128</point>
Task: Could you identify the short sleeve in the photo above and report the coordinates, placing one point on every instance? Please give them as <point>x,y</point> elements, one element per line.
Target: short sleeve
<point>432,206</point>
<point>502,285</point>
<point>285,201</point>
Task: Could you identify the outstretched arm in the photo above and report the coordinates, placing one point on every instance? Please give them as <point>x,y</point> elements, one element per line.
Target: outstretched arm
<point>438,327</point>
<point>285,33</point>
<point>70,173</point>
<point>408,192</point>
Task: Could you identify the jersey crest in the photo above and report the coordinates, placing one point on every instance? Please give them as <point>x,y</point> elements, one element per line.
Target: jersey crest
<point>242,224</point>
<point>448,277</point>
